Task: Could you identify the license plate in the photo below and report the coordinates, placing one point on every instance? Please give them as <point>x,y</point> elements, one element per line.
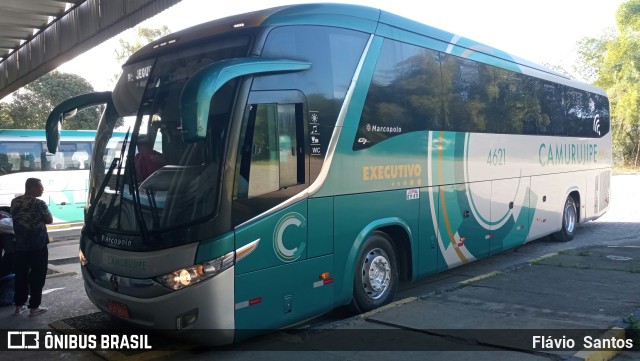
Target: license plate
<point>118,309</point>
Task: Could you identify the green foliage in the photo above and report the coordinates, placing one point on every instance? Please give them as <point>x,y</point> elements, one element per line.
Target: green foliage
<point>628,16</point>
<point>143,37</point>
<point>32,104</point>
<point>6,122</point>
<point>612,62</point>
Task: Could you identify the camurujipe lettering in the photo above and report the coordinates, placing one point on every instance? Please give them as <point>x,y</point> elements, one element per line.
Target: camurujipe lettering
<point>567,154</point>
<point>132,264</point>
<point>392,171</point>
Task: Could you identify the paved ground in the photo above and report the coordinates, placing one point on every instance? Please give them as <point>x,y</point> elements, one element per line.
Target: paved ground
<point>581,288</point>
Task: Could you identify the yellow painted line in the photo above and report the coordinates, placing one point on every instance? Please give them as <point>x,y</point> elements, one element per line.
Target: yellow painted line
<point>602,355</point>
<point>543,257</point>
<point>391,305</point>
<point>481,277</point>
<point>60,326</point>
<point>64,225</point>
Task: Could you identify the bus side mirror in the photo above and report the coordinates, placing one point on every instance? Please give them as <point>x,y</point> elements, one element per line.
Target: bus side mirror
<point>195,99</point>
<point>68,109</point>
<point>70,114</point>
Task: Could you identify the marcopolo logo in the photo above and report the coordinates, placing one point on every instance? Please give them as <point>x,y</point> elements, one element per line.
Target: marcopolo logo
<point>289,237</point>
<point>383,129</point>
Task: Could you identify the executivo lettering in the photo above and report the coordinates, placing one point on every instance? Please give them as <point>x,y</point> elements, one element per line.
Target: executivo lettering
<point>391,171</point>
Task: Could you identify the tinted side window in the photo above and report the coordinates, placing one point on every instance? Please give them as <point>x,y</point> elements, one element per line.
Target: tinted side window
<point>587,114</point>
<point>483,98</point>
<point>469,89</point>
<point>334,54</point>
<point>551,121</point>
<point>405,94</point>
<point>518,108</point>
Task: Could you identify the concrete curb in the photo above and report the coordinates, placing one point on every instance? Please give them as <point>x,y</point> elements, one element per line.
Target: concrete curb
<point>51,227</point>
<point>535,260</point>
<point>481,277</point>
<point>59,272</point>
<point>386,307</point>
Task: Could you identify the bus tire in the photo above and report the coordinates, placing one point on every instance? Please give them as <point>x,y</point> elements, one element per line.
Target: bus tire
<point>569,221</point>
<point>376,274</point>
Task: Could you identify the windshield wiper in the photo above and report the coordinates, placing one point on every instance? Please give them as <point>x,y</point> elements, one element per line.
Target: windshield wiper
<point>125,141</point>
<point>151,198</point>
<point>115,162</point>
<point>103,186</point>
<point>133,190</point>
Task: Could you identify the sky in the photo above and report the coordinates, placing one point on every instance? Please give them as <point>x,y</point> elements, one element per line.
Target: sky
<point>542,31</point>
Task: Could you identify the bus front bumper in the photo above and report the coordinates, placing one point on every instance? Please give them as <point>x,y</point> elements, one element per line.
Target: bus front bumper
<point>210,301</point>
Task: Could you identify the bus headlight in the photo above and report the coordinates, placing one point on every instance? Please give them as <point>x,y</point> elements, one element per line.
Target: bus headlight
<point>191,275</point>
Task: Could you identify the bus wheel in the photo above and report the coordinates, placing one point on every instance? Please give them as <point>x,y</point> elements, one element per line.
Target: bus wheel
<point>569,221</point>
<point>376,274</point>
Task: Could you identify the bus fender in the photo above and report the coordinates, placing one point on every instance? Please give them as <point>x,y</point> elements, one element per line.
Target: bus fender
<point>575,189</point>
<point>350,262</point>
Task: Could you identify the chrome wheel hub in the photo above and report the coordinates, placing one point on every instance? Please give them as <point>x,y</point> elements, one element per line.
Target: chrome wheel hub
<point>376,273</point>
<point>570,218</point>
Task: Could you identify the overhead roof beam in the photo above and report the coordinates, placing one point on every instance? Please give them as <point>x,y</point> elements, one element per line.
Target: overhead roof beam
<point>73,32</point>
<point>15,32</point>
<point>23,19</point>
<point>31,7</point>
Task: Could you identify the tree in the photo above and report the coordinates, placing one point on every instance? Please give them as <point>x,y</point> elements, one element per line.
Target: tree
<point>32,104</point>
<point>6,122</point>
<point>143,37</point>
<point>612,62</point>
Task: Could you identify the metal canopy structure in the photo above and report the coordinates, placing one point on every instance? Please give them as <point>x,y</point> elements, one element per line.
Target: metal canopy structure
<point>37,36</point>
<point>19,19</point>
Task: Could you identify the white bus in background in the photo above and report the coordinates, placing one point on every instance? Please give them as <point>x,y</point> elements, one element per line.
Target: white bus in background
<point>65,175</point>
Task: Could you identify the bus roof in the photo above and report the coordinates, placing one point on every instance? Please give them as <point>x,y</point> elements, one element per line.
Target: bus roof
<point>361,18</point>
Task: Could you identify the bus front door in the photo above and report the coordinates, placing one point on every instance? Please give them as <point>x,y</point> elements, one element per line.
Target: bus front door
<point>280,282</point>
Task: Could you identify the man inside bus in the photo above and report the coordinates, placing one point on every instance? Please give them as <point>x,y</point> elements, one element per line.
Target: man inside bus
<point>147,160</point>
<point>5,166</point>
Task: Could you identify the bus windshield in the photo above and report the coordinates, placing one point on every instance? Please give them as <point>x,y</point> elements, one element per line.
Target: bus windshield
<point>154,180</point>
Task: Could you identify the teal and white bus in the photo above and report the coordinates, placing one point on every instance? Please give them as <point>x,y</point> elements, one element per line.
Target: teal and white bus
<point>65,174</point>
<point>318,155</point>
